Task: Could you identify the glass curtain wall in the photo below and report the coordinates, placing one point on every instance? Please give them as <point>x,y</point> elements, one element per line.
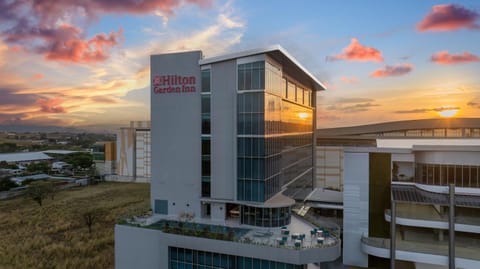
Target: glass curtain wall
<point>265,217</point>
<point>206,134</point>
<point>274,132</point>
<point>182,258</point>
<point>467,176</point>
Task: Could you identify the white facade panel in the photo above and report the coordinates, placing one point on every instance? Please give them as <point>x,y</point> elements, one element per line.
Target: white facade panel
<point>355,208</point>
<point>446,157</point>
<point>223,128</point>
<point>176,126</point>
<point>126,152</point>
<point>329,167</point>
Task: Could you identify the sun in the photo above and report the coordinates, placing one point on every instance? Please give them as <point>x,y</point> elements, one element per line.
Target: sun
<point>448,113</point>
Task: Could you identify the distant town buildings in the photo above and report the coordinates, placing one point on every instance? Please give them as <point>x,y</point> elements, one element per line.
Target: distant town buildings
<point>104,157</point>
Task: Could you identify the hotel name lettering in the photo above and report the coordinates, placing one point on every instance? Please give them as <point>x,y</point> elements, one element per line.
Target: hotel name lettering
<point>173,84</point>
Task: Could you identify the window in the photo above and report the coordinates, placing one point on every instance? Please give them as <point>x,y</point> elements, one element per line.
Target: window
<point>205,146</point>
<point>206,130</point>
<point>206,80</point>
<point>191,258</point>
<point>251,76</point>
<point>161,207</point>
<point>291,91</point>
<point>206,104</point>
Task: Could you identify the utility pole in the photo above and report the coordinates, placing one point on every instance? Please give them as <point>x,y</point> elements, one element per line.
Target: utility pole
<point>451,227</point>
<point>393,218</point>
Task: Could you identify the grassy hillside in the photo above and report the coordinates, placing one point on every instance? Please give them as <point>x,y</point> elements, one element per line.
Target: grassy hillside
<point>56,236</point>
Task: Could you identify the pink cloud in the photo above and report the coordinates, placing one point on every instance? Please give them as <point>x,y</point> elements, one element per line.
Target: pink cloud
<point>15,49</point>
<point>443,57</point>
<point>37,76</point>
<point>330,86</point>
<point>357,52</point>
<point>392,71</point>
<point>348,80</point>
<point>33,25</point>
<point>69,47</point>
<point>52,105</point>
<point>448,18</point>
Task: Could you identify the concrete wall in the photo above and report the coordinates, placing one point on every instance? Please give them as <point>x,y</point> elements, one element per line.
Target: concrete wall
<point>329,167</point>
<point>147,248</point>
<point>125,152</point>
<point>448,157</point>
<point>224,129</point>
<point>143,153</point>
<point>176,135</point>
<point>355,204</point>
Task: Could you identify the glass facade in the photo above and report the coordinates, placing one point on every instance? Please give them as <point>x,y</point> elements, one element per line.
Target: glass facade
<point>265,217</point>
<point>206,138</point>
<point>251,76</point>
<point>182,258</point>
<point>274,132</point>
<point>467,176</point>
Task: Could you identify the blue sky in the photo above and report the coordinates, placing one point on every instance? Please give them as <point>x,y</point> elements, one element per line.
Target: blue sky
<point>80,64</point>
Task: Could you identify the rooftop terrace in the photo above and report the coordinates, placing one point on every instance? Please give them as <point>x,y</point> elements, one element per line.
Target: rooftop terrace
<point>299,234</point>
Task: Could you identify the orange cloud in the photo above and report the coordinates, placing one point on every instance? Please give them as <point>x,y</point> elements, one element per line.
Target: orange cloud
<point>348,80</point>
<point>357,52</point>
<point>448,18</point>
<point>52,105</point>
<point>392,71</point>
<point>443,57</point>
<point>103,99</point>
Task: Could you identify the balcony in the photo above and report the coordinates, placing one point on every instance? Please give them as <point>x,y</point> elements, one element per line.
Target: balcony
<point>424,252</point>
<point>427,216</point>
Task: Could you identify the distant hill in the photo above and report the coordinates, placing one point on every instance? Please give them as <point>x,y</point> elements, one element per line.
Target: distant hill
<point>39,129</point>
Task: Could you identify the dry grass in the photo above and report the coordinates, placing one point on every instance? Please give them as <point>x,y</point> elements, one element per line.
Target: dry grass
<point>55,235</point>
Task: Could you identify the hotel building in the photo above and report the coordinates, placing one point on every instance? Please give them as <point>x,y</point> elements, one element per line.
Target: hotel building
<point>232,141</point>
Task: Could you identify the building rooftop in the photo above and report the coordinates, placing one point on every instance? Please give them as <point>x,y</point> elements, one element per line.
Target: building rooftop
<point>279,54</point>
<point>393,126</point>
<point>24,157</point>
<point>430,144</point>
<point>59,151</point>
<point>325,198</point>
<point>411,193</point>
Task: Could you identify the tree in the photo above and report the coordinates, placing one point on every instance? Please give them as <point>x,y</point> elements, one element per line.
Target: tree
<point>5,165</point>
<point>6,184</point>
<point>43,167</point>
<point>38,191</point>
<point>90,216</point>
<point>81,159</point>
<point>8,147</point>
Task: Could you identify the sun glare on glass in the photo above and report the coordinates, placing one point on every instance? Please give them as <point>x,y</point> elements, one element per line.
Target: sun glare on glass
<point>303,115</point>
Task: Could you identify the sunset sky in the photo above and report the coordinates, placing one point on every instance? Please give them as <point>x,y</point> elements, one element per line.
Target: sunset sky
<point>86,63</point>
